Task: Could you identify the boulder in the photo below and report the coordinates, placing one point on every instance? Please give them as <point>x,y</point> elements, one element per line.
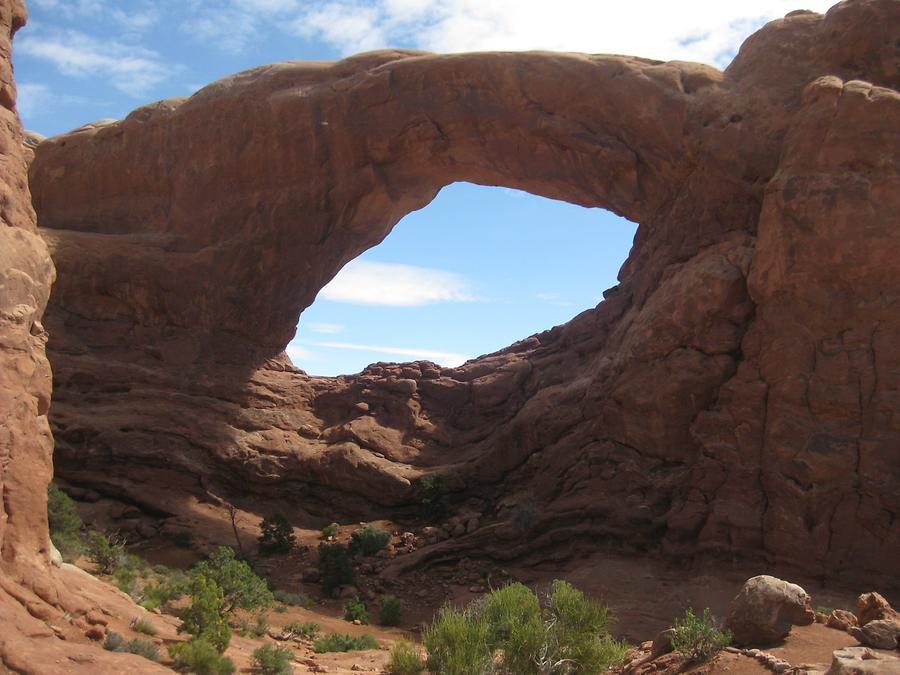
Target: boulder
<point>841,619</point>
<point>872,606</point>
<point>765,609</point>
<point>880,633</point>
<point>862,661</point>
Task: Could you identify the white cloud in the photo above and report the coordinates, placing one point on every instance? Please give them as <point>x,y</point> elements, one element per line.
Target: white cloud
<point>326,328</point>
<point>71,8</point>
<point>299,354</point>
<point>136,21</point>
<point>709,31</point>
<point>235,27</point>
<point>131,69</point>
<point>553,299</point>
<point>372,283</point>
<point>448,359</point>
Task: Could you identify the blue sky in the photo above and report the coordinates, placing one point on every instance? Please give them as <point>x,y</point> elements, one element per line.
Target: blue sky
<point>479,267</point>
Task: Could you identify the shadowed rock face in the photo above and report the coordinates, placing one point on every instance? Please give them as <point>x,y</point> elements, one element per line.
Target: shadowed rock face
<point>736,393</point>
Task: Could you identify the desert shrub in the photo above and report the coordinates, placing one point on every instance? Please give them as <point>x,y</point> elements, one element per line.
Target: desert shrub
<point>336,642</point>
<point>509,628</point>
<point>273,660</point>
<point>276,535</point>
<point>295,599</point>
<point>240,585</point>
<point>356,610</point>
<point>106,551</point>
<point>457,643</point>
<point>142,625</point>
<point>578,636</point>
<point>697,636</point>
<point>405,660</point>
<point>258,628</point>
<point>308,629</point>
<point>390,612</point>
<point>432,493</point>
<point>334,567</point>
<point>205,618</point>
<point>368,540</point>
<point>125,579</point>
<point>330,530</point>
<point>165,590</point>
<point>64,523</point>
<point>116,643</point>
<point>200,657</point>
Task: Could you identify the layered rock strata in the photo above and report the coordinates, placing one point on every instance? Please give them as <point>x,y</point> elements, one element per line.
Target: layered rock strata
<point>736,394</point>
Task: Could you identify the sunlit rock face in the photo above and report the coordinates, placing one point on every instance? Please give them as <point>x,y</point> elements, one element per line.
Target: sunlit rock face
<point>735,394</point>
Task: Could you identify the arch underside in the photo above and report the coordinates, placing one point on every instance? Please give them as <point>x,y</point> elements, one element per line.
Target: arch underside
<point>733,394</point>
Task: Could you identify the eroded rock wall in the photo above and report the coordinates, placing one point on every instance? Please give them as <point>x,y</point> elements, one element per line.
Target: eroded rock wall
<point>44,611</point>
<point>735,394</point>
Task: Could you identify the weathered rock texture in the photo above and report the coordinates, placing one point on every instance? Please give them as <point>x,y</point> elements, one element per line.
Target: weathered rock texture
<point>735,394</point>
<point>765,610</point>
<point>44,611</point>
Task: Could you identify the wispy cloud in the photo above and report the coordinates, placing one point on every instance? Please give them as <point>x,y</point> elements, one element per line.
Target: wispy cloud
<point>326,328</point>
<point>553,299</point>
<point>700,30</point>
<point>449,359</point>
<point>131,69</point>
<point>35,98</point>
<point>299,354</point>
<point>237,25</point>
<point>372,283</point>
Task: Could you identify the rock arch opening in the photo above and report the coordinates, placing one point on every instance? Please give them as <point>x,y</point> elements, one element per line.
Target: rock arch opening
<point>474,271</point>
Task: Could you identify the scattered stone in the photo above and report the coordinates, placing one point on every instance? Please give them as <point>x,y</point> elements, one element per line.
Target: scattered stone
<point>764,610</point>
<point>841,619</point>
<point>862,661</point>
<point>95,633</point>
<point>662,643</point>
<point>880,634</point>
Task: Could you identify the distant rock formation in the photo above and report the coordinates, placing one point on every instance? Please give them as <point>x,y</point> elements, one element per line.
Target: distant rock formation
<point>736,394</point>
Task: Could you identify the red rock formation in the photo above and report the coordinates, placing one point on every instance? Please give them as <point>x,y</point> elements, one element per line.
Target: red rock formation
<point>735,394</point>
<point>44,611</point>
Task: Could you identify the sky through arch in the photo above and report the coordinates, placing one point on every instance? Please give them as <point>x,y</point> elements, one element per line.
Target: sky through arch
<point>474,271</point>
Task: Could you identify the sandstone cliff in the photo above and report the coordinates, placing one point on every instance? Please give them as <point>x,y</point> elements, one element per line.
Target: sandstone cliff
<point>736,394</point>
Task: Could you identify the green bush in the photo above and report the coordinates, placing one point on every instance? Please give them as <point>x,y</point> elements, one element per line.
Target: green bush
<point>116,643</point>
<point>697,636</point>
<point>368,540</point>
<point>273,660</point>
<point>107,552</point>
<point>240,585</point>
<point>142,625</point>
<point>509,627</point>
<point>457,643</point>
<point>391,611</point>
<point>295,599</point>
<point>335,642</point>
<point>308,629</point>
<point>330,530</point>
<point>356,610</point>
<point>166,589</point>
<point>276,535</point>
<point>578,632</point>
<point>405,660</point>
<point>258,628</point>
<point>201,658</point>
<point>64,523</point>
<point>205,618</point>
<point>433,496</point>
<point>334,567</point>
<point>125,579</point>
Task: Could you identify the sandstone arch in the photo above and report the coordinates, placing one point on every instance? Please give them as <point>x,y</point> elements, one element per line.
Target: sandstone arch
<point>735,393</point>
